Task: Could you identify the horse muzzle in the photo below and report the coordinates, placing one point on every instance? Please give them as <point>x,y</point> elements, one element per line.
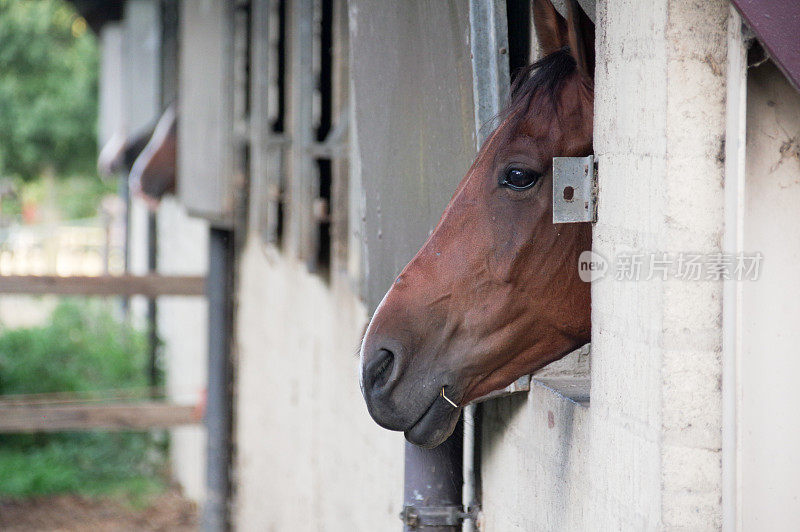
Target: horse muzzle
<point>401,399</point>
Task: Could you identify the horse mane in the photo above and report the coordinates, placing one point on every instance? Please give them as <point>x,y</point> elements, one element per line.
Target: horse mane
<point>545,77</point>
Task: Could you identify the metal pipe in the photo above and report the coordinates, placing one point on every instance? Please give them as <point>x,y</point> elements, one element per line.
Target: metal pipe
<point>471,464</point>
<point>432,488</point>
<point>152,307</point>
<point>218,393</point>
<point>488,26</point>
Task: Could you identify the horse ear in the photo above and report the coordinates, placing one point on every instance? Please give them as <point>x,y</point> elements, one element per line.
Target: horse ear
<point>580,35</point>
<point>551,28</point>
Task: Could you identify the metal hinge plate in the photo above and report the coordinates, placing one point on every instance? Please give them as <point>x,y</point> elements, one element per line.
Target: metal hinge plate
<point>432,516</point>
<point>574,190</point>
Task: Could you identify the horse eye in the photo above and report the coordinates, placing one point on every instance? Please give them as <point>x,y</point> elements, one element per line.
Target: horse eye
<point>517,179</point>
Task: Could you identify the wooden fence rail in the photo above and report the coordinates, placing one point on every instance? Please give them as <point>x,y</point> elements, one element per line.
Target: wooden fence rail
<point>107,285</point>
<point>141,415</point>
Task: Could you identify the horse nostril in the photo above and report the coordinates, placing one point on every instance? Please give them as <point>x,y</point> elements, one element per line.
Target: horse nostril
<point>380,369</point>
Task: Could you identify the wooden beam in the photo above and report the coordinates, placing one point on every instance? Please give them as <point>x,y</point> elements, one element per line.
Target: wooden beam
<point>83,397</point>
<point>106,285</point>
<point>131,416</point>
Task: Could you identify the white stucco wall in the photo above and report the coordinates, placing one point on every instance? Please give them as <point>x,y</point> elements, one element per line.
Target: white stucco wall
<point>770,306</point>
<point>645,454</point>
<point>182,327</point>
<point>110,105</point>
<point>137,256</point>
<point>308,457</point>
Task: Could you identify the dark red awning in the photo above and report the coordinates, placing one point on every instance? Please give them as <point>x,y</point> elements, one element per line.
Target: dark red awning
<point>776,23</point>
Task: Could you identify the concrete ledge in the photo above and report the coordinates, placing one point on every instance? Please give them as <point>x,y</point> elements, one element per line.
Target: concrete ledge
<point>569,377</point>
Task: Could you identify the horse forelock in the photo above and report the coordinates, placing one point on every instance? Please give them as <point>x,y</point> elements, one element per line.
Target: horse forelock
<point>538,88</point>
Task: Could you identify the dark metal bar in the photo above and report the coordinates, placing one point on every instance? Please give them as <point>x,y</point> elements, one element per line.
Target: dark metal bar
<point>218,393</point>
<point>124,192</point>
<point>152,307</point>
<point>433,484</point>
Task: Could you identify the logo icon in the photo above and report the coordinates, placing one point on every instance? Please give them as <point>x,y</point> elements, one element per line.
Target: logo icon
<point>591,266</point>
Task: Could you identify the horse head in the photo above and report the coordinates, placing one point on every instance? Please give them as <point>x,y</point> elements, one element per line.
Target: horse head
<point>153,174</point>
<point>494,293</point>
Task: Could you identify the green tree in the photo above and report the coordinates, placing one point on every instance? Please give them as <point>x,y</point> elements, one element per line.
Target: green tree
<point>48,89</point>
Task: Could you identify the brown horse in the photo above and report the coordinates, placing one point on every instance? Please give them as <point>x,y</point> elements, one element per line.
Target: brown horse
<point>494,294</point>
<point>121,151</point>
<point>149,159</point>
<point>153,174</point>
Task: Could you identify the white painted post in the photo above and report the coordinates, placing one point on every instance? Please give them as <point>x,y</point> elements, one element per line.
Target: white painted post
<point>736,107</point>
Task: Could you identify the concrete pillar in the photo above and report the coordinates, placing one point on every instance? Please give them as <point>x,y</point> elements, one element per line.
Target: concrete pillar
<point>656,365</point>
<point>110,107</point>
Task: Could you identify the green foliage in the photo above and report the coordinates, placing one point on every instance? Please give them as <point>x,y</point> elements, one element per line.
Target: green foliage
<point>48,89</point>
<point>75,197</point>
<point>79,197</point>
<point>90,463</point>
<point>83,347</point>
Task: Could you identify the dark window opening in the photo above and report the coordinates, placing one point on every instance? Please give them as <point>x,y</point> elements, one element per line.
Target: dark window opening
<point>278,124</point>
<point>245,12</point>
<point>281,216</point>
<point>280,70</point>
<point>244,158</point>
<point>241,60</point>
<point>322,205</point>
<point>323,217</point>
<point>241,103</point>
<point>518,13</point>
<point>325,82</point>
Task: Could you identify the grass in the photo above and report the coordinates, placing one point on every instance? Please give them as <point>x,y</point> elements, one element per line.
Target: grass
<point>92,464</point>
<point>82,347</point>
